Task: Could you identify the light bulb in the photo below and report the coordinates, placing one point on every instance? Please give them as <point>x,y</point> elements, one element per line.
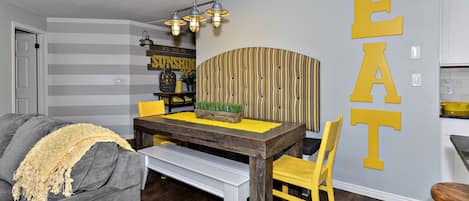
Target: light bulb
<point>175,29</point>
<point>194,25</point>
<point>216,19</point>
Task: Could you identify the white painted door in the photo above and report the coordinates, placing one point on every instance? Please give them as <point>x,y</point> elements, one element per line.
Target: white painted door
<point>26,73</point>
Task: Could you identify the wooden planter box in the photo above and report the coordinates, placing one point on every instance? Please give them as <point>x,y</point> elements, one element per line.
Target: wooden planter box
<point>219,116</point>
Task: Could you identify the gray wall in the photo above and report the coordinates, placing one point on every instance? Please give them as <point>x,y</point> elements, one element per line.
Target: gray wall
<point>98,72</point>
<point>322,29</point>
<point>10,13</point>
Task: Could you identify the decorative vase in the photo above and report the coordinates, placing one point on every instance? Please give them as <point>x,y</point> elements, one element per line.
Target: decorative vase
<point>178,86</point>
<point>167,80</point>
<point>193,87</point>
<point>190,88</point>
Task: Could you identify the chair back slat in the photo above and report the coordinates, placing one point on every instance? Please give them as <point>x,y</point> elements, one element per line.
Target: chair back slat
<point>333,135</point>
<point>149,108</point>
<point>328,145</point>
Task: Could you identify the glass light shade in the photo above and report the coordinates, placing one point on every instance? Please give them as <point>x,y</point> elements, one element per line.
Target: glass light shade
<point>194,18</point>
<point>175,22</point>
<point>216,20</point>
<point>175,29</point>
<point>194,25</point>
<point>217,12</point>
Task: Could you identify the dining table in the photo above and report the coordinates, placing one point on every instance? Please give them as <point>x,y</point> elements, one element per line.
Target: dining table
<point>260,147</point>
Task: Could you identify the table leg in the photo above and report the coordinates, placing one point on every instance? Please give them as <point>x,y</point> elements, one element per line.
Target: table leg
<point>170,102</point>
<point>138,137</point>
<point>297,149</point>
<point>260,175</point>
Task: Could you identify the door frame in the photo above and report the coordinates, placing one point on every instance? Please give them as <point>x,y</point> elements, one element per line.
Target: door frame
<point>41,65</point>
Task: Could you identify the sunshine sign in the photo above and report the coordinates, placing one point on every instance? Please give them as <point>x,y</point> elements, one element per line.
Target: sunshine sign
<point>171,57</point>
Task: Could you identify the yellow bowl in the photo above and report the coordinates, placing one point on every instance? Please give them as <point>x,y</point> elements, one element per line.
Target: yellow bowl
<point>455,106</point>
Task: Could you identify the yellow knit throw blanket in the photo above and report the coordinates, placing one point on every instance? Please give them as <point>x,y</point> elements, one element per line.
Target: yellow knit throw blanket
<point>48,165</point>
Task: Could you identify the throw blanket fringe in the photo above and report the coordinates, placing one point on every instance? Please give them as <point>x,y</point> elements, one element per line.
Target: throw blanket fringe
<point>48,165</point>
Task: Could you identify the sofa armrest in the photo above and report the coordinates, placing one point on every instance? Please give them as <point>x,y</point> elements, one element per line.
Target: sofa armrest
<point>128,171</point>
<point>123,185</point>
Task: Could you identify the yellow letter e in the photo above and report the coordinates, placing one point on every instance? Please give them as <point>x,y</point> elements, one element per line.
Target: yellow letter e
<point>363,27</point>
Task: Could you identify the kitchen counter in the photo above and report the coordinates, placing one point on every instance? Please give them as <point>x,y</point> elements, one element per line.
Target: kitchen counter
<point>453,117</point>
<point>461,143</point>
<point>455,114</point>
<point>453,169</point>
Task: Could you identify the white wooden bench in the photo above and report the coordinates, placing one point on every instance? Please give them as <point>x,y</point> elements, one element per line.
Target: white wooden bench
<point>220,176</point>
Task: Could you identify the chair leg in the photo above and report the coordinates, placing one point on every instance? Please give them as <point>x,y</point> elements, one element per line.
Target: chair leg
<point>315,193</point>
<point>285,188</point>
<point>330,189</point>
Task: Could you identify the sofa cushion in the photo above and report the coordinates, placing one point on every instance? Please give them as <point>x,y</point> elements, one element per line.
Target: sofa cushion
<point>24,139</point>
<point>5,191</point>
<point>9,123</point>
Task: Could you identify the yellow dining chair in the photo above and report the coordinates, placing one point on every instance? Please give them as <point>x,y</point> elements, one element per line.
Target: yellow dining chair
<point>148,108</point>
<point>307,174</point>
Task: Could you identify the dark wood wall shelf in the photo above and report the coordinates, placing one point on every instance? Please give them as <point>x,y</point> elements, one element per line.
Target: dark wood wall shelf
<point>182,95</point>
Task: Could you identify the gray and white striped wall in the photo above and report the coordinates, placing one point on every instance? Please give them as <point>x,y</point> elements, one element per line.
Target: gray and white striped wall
<point>97,71</point>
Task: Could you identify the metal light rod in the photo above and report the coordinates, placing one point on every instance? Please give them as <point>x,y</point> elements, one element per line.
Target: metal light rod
<point>200,4</point>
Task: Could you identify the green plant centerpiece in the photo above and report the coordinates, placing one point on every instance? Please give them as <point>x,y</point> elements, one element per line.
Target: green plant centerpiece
<point>226,112</point>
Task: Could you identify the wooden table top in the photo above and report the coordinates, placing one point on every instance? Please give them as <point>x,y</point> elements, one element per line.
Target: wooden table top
<point>450,192</point>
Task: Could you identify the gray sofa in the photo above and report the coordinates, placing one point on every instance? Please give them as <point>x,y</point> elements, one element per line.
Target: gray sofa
<point>104,173</point>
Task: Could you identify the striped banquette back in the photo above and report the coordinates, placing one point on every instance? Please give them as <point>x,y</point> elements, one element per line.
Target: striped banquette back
<point>271,84</point>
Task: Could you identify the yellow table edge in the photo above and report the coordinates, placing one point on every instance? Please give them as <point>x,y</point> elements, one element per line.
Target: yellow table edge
<point>249,125</point>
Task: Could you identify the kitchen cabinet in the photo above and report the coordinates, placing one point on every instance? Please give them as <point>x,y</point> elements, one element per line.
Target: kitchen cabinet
<point>452,167</point>
<point>454,33</point>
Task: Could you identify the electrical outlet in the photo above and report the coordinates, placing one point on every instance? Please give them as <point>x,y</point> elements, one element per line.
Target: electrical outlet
<point>416,79</point>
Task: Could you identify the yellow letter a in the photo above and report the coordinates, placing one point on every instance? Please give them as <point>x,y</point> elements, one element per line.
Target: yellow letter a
<point>373,61</point>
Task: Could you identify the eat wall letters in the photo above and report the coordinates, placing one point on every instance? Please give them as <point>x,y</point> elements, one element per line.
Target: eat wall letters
<point>374,61</point>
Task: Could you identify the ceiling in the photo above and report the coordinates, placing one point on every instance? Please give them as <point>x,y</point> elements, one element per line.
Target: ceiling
<point>148,11</point>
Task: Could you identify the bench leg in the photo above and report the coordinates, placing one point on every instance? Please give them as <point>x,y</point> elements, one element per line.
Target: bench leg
<point>235,193</point>
<point>145,172</point>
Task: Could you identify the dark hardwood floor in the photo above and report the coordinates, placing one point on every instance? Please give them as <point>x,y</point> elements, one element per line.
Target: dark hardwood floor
<point>169,189</point>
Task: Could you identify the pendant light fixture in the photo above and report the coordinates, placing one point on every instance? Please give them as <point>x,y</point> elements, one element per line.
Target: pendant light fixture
<point>145,39</point>
<point>175,22</point>
<point>194,18</point>
<point>217,12</point>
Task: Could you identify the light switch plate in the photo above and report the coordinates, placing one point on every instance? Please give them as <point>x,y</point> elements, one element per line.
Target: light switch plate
<point>416,79</point>
<point>415,52</point>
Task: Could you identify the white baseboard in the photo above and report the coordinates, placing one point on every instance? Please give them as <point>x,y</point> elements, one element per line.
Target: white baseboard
<point>373,193</point>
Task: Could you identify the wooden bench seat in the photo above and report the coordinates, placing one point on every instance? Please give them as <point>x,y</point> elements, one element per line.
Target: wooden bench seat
<point>219,176</point>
